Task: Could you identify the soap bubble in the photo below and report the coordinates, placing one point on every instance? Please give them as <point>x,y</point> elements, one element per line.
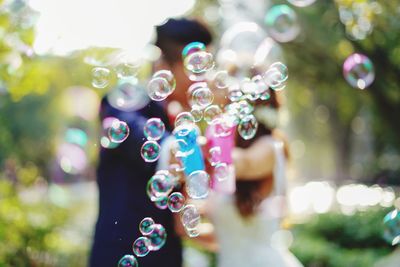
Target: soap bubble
<point>199,62</point>
<point>141,246</point>
<point>197,184</point>
<point>221,79</point>
<point>221,171</point>
<point>358,71</point>
<point>154,129</point>
<point>119,131</point>
<point>244,108</point>
<point>161,185</point>
<point>234,93</point>
<point>391,224</point>
<point>211,113</point>
<point>200,95</point>
<point>214,155</point>
<point>282,69</point>
<point>157,237</point>
<point>128,95</point>
<point>176,201</point>
<point>128,261</point>
<point>192,47</point>
<point>145,226</point>
<point>248,126</point>
<point>281,22</point>
<point>197,113</point>
<point>168,76</point>
<point>276,76</point>
<point>161,203</point>
<point>192,232</point>
<point>190,217</point>
<point>161,85</point>
<point>150,151</point>
<point>184,118</point>
<point>301,3</point>
<point>100,77</point>
<point>125,69</point>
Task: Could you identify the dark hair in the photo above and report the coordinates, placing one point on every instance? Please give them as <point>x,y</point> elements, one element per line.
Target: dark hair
<point>173,35</point>
<point>249,194</point>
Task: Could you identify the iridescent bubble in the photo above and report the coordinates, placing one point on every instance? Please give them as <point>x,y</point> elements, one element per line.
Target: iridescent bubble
<point>199,62</point>
<point>358,71</point>
<point>190,217</point>
<point>128,261</point>
<point>161,203</point>
<point>221,171</point>
<point>184,118</point>
<point>168,76</point>
<point>154,129</point>
<point>176,201</point>
<point>221,79</point>
<point>100,77</point>
<point>125,69</point>
<point>158,237</point>
<point>214,155</point>
<point>274,79</point>
<point>141,246</point>
<point>128,95</point>
<point>248,126</point>
<point>282,69</point>
<point>391,224</point>
<point>192,48</point>
<point>145,226</point>
<point>197,113</point>
<point>301,3</point>
<point>200,95</point>
<point>161,185</point>
<point>281,22</point>
<point>245,108</point>
<point>197,184</point>
<point>119,131</point>
<point>158,89</point>
<point>261,86</point>
<point>150,151</point>
<point>211,113</point>
<point>234,93</point>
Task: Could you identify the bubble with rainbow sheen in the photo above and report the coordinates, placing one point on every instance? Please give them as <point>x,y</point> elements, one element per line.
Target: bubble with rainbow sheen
<point>197,184</point>
<point>161,203</point>
<point>391,224</point>
<point>211,113</point>
<point>281,22</point>
<point>150,151</point>
<point>141,246</point>
<point>158,237</point>
<point>358,71</point>
<point>192,48</point>
<point>199,62</point>
<point>176,201</point>
<point>128,261</point>
<point>154,129</point>
<point>100,77</point>
<point>160,185</point>
<point>145,225</point>
<point>190,217</point>
<point>247,127</point>
<point>184,118</point>
<point>200,95</point>
<point>161,85</point>
<point>118,131</point>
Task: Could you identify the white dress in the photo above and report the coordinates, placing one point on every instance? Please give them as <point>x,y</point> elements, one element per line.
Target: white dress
<point>247,242</point>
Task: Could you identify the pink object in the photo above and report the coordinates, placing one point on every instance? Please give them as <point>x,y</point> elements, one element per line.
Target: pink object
<point>226,142</point>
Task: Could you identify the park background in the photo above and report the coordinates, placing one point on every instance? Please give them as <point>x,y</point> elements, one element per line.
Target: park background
<point>345,142</point>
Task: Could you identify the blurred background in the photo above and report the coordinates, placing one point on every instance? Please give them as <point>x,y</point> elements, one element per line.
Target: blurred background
<point>345,142</point>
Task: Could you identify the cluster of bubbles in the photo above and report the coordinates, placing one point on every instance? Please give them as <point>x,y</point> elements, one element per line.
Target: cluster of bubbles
<point>358,71</point>
<point>391,224</point>
<point>358,17</point>
<point>153,130</point>
<point>153,238</point>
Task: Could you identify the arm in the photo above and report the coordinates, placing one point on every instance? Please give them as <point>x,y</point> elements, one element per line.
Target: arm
<point>255,162</point>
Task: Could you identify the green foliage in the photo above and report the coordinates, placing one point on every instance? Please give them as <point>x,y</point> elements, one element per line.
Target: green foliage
<point>337,240</point>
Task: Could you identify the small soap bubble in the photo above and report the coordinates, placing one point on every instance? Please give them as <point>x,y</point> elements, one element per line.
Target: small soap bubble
<point>154,129</point>
<point>221,79</point>
<point>199,62</point>
<point>161,203</point>
<point>248,86</point>
<point>150,151</point>
<point>211,113</point>
<point>128,261</point>
<point>190,217</point>
<point>158,89</point>
<point>197,114</point>
<point>145,225</point>
<point>200,95</point>
<point>176,201</point>
<point>273,78</point>
<point>221,171</point>
<point>168,76</point>
<point>282,69</point>
<point>184,118</point>
<point>197,184</point>
<point>358,71</point>
<point>234,93</point>
<point>158,237</point>
<point>141,246</point>
<point>248,126</point>
<point>192,48</point>
<point>281,22</point>
<point>160,185</point>
<point>125,69</point>
<point>391,223</point>
<point>214,155</point>
<point>119,131</point>
<point>245,108</point>
<point>100,77</point>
